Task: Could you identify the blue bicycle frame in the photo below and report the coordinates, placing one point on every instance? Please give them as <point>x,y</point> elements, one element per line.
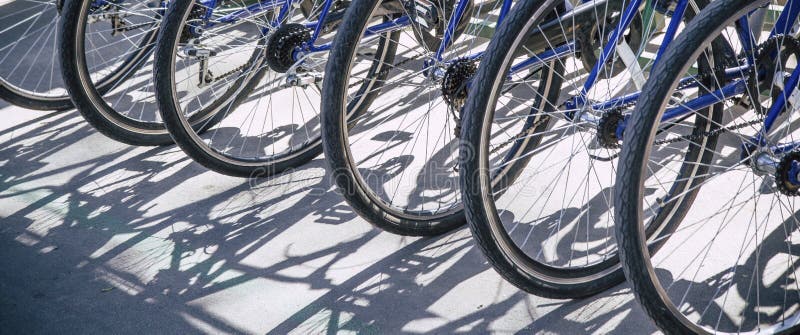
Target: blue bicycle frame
<point>569,48</point>
<point>628,14</point>
<point>738,86</point>
<point>285,7</point>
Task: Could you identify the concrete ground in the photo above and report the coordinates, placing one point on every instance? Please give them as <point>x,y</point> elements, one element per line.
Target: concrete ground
<point>101,237</point>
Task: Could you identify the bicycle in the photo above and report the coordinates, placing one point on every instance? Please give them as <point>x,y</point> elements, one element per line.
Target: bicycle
<point>28,30</point>
<point>392,148</point>
<point>719,171</point>
<point>105,52</point>
<point>202,68</point>
<point>542,130</point>
<point>127,111</point>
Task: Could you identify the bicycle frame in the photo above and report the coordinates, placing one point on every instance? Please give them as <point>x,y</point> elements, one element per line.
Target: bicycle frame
<point>783,26</point>
<point>609,48</point>
<point>285,8</point>
<point>738,86</point>
<point>449,33</point>
<point>568,48</point>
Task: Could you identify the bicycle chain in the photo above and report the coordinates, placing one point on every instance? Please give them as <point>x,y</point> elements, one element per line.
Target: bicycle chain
<point>129,28</point>
<point>695,137</point>
<point>232,72</point>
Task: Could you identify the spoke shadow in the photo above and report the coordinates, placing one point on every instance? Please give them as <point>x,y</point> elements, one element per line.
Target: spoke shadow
<point>141,239</point>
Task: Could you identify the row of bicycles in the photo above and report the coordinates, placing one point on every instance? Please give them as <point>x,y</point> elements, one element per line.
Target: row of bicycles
<point>583,141</point>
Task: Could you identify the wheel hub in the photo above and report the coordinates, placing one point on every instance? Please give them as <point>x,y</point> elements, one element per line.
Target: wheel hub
<point>193,27</point>
<point>283,43</point>
<point>303,80</point>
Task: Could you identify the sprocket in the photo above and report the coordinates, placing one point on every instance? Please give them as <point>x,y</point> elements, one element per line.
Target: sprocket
<point>282,44</point>
<point>190,30</point>
<point>784,45</point>
<point>607,129</point>
<point>454,82</point>
<point>786,174</point>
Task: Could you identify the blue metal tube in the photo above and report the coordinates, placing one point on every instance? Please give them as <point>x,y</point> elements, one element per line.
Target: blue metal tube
<point>672,29</point>
<point>377,29</point>
<point>458,13</point>
<point>503,11</point>
<point>785,147</point>
<point>608,49</point>
<point>285,8</point>
<point>321,23</point>
<point>787,18</point>
<point>779,103</point>
<point>703,101</point>
<point>380,28</point>
<point>706,100</point>
<point>544,57</point>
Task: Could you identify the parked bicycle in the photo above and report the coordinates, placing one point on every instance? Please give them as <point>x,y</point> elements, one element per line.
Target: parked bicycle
<point>105,48</point>
<point>541,134</point>
<point>28,31</point>
<point>392,144</point>
<point>711,159</point>
<point>249,76</point>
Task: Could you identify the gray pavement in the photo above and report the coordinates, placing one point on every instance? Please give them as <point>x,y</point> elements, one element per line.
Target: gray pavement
<point>100,237</point>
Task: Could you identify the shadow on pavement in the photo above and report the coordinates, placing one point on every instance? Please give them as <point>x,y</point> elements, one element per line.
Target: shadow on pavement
<point>99,237</point>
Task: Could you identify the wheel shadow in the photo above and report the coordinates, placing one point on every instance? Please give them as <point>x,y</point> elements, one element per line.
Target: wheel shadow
<point>108,238</point>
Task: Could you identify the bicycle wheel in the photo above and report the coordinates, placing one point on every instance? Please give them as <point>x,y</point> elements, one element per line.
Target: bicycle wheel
<point>724,203</point>
<point>538,158</point>
<point>257,74</point>
<point>395,163</point>
<point>29,74</point>
<point>105,51</point>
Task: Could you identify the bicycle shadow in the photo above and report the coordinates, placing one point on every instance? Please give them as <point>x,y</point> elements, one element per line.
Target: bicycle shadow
<point>135,241</point>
